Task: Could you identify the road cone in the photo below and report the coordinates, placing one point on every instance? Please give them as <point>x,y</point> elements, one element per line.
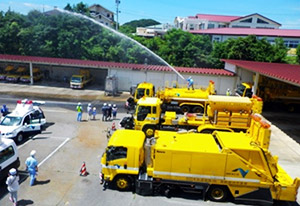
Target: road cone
<point>113,127</point>
<point>83,171</point>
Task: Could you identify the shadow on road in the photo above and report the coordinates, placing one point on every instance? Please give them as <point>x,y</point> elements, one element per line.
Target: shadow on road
<point>25,202</point>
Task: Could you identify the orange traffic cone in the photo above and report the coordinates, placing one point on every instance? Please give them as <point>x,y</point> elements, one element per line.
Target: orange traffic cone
<point>113,127</point>
<point>83,171</point>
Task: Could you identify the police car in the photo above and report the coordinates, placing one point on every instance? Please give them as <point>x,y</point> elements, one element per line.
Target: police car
<point>9,157</point>
<point>27,118</point>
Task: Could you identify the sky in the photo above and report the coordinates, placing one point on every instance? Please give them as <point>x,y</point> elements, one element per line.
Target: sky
<point>285,12</point>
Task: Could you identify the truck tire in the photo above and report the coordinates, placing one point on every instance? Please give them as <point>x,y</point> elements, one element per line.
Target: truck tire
<point>217,193</point>
<point>122,183</point>
<point>149,131</point>
<point>198,109</point>
<point>19,137</point>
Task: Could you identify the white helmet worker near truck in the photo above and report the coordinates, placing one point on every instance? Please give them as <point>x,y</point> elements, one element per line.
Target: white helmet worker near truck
<point>23,121</point>
<point>9,157</point>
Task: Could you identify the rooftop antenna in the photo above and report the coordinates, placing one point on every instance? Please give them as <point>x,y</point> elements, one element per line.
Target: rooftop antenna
<point>117,13</point>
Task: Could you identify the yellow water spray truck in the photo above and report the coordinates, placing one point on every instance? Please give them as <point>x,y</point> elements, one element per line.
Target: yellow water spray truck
<point>220,167</point>
<point>227,113</point>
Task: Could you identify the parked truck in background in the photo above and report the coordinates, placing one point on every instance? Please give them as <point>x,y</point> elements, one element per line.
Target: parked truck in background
<point>273,91</point>
<point>221,113</point>
<point>219,166</point>
<point>7,71</point>
<point>79,81</point>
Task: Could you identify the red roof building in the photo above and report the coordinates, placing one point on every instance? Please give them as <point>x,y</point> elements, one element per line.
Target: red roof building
<point>283,72</point>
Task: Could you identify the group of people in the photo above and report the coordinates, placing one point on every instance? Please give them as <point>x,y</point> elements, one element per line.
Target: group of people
<point>91,112</point>
<point>13,179</point>
<point>108,112</point>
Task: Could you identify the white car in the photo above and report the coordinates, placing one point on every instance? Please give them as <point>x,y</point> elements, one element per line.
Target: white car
<point>24,120</point>
<point>9,157</point>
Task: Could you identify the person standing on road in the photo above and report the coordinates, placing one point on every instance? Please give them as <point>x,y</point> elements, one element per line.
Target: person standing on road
<point>109,112</point>
<point>32,167</point>
<point>12,182</point>
<point>94,113</point>
<point>114,111</point>
<point>104,111</point>
<point>89,111</point>
<point>79,112</point>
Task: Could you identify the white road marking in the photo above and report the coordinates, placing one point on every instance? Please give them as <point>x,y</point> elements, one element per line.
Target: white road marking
<point>52,153</point>
<point>57,111</point>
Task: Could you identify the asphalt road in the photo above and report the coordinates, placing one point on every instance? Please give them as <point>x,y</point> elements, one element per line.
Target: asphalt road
<point>61,150</point>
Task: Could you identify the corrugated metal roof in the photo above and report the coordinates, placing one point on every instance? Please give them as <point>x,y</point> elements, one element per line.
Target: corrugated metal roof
<point>250,31</point>
<point>106,65</point>
<point>217,18</point>
<point>286,72</point>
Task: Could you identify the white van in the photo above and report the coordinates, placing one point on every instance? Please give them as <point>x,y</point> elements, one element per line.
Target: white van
<point>9,157</point>
<point>24,120</point>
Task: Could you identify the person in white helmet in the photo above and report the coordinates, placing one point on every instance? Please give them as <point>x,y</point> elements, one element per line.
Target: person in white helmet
<point>114,111</point>
<point>190,83</point>
<point>32,167</point>
<point>12,182</point>
<point>89,111</point>
<point>104,110</point>
<point>79,112</point>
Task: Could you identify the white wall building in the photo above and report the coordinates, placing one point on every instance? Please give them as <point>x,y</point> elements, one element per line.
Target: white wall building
<point>152,31</point>
<point>208,21</point>
<point>102,15</point>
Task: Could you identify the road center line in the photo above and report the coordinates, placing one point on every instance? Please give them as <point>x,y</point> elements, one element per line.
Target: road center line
<point>52,153</point>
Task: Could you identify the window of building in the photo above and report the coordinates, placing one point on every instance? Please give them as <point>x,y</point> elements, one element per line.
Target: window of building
<point>211,26</point>
<point>221,26</point>
<point>238,26</point>
<point>247,20</point>
<point>217,39</point>
<point>260,21</point>
<point>107,15</point>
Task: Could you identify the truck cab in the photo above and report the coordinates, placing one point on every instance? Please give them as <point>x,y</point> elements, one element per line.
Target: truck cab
<point>9,157</point>
<point>16,77</point>
<point>37,75</point>
<point>24,120</point>
<point>124,155</point>
<point>7,71</point>
<point>244,90</point>
<point>79,81</point>
<point>144,89</point>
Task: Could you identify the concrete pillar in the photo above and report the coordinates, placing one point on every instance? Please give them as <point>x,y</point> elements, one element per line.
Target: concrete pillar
<point>31,73</point>
<point>254,88</point>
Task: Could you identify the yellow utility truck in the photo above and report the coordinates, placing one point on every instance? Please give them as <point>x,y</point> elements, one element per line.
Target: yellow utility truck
<point>219,166</point>
<point>81,80</point>
<point>7,71</point>
<point>144,89</point>
<point>184,99</point>
<point>273,91</point>
<point>221,113</point>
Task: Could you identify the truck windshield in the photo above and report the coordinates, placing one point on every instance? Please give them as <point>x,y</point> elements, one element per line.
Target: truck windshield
<point>11,121</point>
<point>140,93</point>
<point>113,153</point>
<point>142,112</point>
<point>76,79</point>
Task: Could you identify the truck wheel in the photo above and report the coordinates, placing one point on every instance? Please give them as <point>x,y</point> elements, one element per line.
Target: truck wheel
<point>149,131</point>
<point>198,109</point>
<point>19,138</point>
<point>122,183</point>
<point>217,193</point>
<point>185,108</point>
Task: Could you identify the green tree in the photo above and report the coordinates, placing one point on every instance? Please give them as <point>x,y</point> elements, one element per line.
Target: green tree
<point>298,53</point>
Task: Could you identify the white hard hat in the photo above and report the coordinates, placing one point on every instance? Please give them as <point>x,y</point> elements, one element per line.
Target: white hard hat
<point>109,105</point>
<point>89,104</point>
<point>79,103</point>
<point>114,105</point>
<point>13,171</point>
<point>32,153</point>
<point>104,104</point>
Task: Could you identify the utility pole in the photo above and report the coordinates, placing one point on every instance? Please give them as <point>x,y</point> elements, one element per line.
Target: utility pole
<point>117,13</point>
